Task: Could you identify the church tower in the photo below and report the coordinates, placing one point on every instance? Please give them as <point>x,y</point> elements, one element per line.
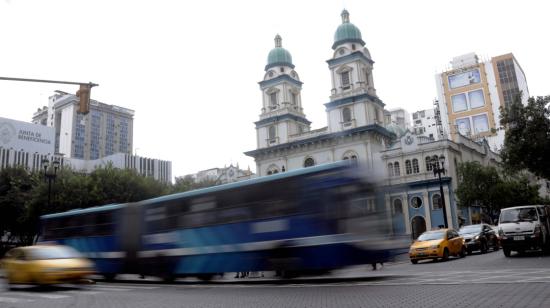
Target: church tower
<point>353,101</point>
<point>282,114</point>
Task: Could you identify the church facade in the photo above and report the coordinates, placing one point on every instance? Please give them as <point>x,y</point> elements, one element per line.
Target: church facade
<point>356,122</point>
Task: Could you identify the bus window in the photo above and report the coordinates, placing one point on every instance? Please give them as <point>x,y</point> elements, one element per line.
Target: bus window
<point>235,214</point>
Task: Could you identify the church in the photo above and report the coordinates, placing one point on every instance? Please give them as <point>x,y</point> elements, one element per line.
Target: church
<point>359,128</point>
<point>356,128</point>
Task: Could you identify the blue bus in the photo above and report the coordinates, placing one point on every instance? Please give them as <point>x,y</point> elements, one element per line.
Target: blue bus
<point>304,221</point>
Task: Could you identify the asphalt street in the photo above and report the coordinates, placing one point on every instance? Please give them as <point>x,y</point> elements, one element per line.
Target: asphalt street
<point>488,280</point>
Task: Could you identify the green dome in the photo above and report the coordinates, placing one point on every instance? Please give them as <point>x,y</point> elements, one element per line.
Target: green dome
<point>396,129</point>
<point>278,55</point>
<point>347,32</point>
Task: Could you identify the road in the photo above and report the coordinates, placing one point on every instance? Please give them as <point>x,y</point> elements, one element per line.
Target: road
<point>488,280</point>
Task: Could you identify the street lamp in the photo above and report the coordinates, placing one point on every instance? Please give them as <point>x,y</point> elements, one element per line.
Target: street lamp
<point>50,175</point>
<point>438,167</point>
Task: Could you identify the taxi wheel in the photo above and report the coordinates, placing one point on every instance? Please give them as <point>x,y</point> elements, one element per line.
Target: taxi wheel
<point>445,255</point>
<point>414,261</point>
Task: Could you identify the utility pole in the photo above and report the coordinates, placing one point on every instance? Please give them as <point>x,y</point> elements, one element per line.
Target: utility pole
<point>83,92</point>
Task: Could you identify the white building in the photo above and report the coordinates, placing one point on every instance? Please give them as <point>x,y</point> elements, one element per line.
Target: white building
<point>471,92</point>
<point>227,174</point>
<point>160,170</point>
<point>356,127</point>
<point>105,130</point>
<point>425,124</point>
<point>413,192</point>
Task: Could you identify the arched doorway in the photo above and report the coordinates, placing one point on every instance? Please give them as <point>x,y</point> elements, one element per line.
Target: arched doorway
<point>418,226</point>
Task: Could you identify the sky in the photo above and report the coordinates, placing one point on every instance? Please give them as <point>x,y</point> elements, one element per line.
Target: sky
<point>190,69</point>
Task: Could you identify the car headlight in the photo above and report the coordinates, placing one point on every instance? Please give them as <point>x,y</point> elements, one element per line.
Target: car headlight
<point>476,237</point>
<point>435,246</point>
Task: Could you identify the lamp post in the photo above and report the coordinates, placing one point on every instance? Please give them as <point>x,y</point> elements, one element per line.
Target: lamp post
<point>50,175</point>
<point>438,167</point>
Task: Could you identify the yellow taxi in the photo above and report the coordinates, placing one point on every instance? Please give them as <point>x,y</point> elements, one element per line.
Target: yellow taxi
<point>45,264</point>
<point>436,244</point>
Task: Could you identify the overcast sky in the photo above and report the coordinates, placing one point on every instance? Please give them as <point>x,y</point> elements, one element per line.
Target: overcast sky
<point>190,69</point>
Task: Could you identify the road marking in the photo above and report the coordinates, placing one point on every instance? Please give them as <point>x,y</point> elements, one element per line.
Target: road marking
<point>131,286</point>
<point>14,300</point>
<point>40,295</point>
<point>108,289</point>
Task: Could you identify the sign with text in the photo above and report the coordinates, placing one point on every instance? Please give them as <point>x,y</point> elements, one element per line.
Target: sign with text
<point>25,136</point>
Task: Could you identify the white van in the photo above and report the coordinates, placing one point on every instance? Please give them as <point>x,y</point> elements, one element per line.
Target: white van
<point>524,227</point>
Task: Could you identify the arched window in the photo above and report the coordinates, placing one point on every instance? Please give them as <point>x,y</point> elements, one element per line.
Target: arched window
<point>436,202</point>
<point>349,155</point>
<point>308,162</point>
<point>408,167</point>
<point>396,169</point>
<point>435,161</point>
<point>428,163</point>
<point>271,132</point>
<point>397,206</point>
<point>273,169</point>
<point>346,114</point>
<point>416,169</point>
<point>390,169</point>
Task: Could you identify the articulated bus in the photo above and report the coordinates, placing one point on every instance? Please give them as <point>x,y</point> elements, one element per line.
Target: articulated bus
<point>304,221</point>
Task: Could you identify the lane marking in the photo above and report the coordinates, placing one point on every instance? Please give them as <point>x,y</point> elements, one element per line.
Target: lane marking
<point>109,289</point>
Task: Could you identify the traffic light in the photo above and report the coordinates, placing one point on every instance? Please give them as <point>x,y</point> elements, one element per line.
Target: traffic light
<point>84,98</point>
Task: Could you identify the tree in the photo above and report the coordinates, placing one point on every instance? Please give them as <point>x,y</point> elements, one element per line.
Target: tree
<point>16,189</point>
<point>493,190</point>
<point>186,183</point>
<point>527,138</point>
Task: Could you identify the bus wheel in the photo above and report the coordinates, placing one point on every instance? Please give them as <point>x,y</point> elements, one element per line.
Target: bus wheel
<point>109,276</point>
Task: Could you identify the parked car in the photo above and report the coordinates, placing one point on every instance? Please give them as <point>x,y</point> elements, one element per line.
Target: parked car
<point>437,244</point>
<point>45,264</point>
<point>524,227</point>
<point>479,237</point>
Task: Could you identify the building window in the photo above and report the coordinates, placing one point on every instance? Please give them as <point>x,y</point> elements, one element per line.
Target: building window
<point>273,169</point>
<point>459,102</point>
<point>481,124</point>
<point>346,114</point>
<point>350,155</point>
<point>397,206</point>
<point>428,163</point>
<point>390,169</point>
<point>416,169</point>
<point>344,76</point>
<point>408,167</point>
<point>436,202</point>
<point>273,100</point>
<point>396,169</point>
<point>293,98</point>
<point>271,134</point>
<point>416,202</point>
<point>309,162</point>
<point>463,126</point>
<point>476,99</point>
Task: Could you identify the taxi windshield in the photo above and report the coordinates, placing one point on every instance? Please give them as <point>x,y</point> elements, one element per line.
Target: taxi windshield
<point>54,252</point>
<point>432,235</point>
